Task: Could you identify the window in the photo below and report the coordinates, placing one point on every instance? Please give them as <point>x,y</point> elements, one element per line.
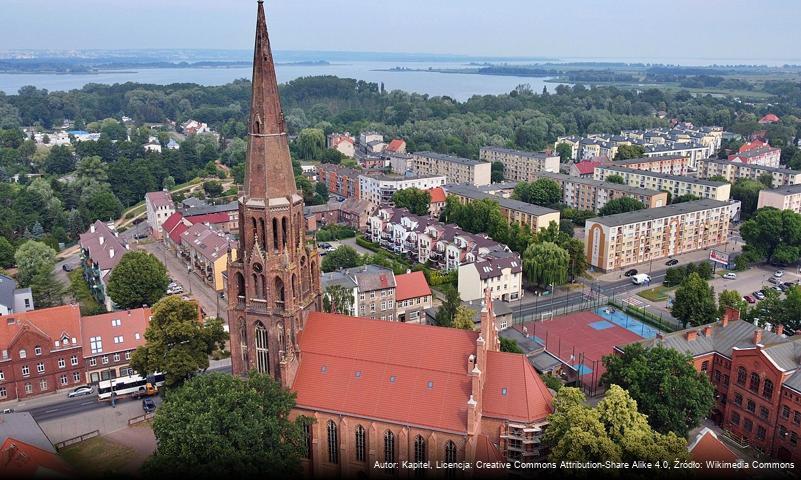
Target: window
<point>705,365</point>
<point>767,389</point>
<point>28,388</point>
<point>741,374</point>
<point>96,344</point>
<point>361,444</point>
<point>23,354</point>
<point>760,432</point>
<point>307,440</point>
<point>793,438</point>
<point>738,399</point>
<point>64,380</point>
<point>763,413</point>
<point>37,350</point>
<point>333,453</point>
<point>262,353</point>
<point>104,359</point>
<point>76,376</point>
<point>748,425</point>
<point>43,384</point>
<point>797,418</point>
<point>118,339</point>
<point>754,384</point>
<point>116,357</point>
<point>389,446</point>
<point>40,367</point>
<point>74,360</point>
<point>2,392</point>
<point>716,376</point>
<point>450,456</point>
<point>2,375</point>
<point>419,454</point>
<point>115,322</point>
<point>751,406</point>
<point>92,362</point>
<point>62,363</point>
<point>127,355</point>
<point>785,411</point>
<point>725,379</point>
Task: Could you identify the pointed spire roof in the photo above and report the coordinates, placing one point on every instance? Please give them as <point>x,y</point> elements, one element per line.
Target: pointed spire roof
<point>268,172</point>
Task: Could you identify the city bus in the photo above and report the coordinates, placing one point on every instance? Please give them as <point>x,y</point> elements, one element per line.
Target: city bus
<point>132,384</point>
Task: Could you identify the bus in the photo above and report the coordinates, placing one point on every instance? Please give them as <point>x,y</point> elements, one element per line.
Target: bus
<point>132,384</point>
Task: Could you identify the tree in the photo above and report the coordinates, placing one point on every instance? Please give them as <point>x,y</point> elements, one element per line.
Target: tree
<point>667,388</point>
<point>625,152</point>
<point>46,290</point>
<point>543,191</point>
<point>733,299</point>
<point>773,233</point>
<point>331,155</point>
<point>695,302</point>
<point>747,192</point>
<point>212,188</point>
<point>33,258</point>
<point>497,172</point>
<point>321,191</point>
<point>177,343</point>
<point>343,257</point>
<point>168,183</point>
<point>509,345</point>
<point>139,279</point>
<point>416,200</point>
<point>687,197</point>
<point>218,426</point>
<point>615,178</point>
<point>338,299</point>
<point>6,253</point>
<point>565,152</point>
<point>310,144</point>
<point>60,160</point>
<point>766,179</point>
<point>546,264</point>
<point>463,319</point>
<point>447,311</point>
<point>102,205</point>
<point>791,309</point>
<point>91,170</point>
<point>621,205</point>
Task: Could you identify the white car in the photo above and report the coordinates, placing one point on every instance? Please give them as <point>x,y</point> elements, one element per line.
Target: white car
<point>778,274</point>
<point>730,276</point>
<point>81,391</point>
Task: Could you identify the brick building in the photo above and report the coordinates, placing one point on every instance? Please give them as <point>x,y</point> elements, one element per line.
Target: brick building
<point>110,340</point>
<point>412,297</point>
<point>340,181</point>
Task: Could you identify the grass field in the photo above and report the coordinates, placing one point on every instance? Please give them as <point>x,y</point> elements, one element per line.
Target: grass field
<point>98,457</point>
<point>656,294</point>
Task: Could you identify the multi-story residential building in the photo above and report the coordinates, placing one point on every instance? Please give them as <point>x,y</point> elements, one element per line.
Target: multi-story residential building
<point>379,189</point>
<point>618,241</point>
<point>399,163</point>
<point>205,252</point>
<point>13,299</point>
<point>101,251</point>
<point>373,290</point>
<point>520,166</point>
<point>691,151</point>
<point>574,142</point>
<point>412,297</point>
<point>783,198</point>
<point>731,171</point>
<point>366,138</point>
<point>224,217</point>
<point>344,143</point>
<point>757,379</point>
<point>351,212</point>
<point>515,211</point>
<point>500,274</point>
<point>675,184</point>
<point>159,207</point>
<point>765,156</point>
<point>588,194</point>
<point>668,164</point>
<point>396,145</point>
<point>341,181</point>
<point>455,169</point>
<point>586,168</point>
<point>110,339</point>
<point>40,352</point>
<point>438,198</point>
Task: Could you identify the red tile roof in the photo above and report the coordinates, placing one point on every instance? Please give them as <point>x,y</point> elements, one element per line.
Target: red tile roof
<point>752,145</point>
<point>396,145</point>
<point>513,390</point>
<point>411,285</point>
<point>587,168</point>
<point>205,241</point>
<point>769,118</point>
<point>172,221</point>
<point>176,234</point>
<point>437,195</point>
<point>131,323</point>
<point>707,446</point>
<point>21,460</point>
<point>159,199</point>
<point>54,323</point>
<point>213,218</point>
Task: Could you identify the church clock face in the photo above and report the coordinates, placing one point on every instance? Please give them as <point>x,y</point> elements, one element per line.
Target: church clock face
<point>257,267</point>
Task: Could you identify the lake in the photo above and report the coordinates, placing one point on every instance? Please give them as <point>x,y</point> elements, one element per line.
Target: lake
<point>456,85</point>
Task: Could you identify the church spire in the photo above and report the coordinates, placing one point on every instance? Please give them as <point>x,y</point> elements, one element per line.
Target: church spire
<point>268,172</point>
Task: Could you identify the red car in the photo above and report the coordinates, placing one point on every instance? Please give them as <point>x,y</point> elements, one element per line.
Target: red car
<point>749,299</point>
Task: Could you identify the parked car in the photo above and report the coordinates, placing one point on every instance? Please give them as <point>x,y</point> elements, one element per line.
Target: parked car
<point>730,276</point>
<point>758,294</point>
<point>81,391</point>
<point>631,272</point>
<point>774,280</point>
<point>68,267</point>
<point>749,299</point>
<point>148,405</point>
<point>671,262</point>
<point>778,274</point>
<point>778,289</point>
<point>783,287</point>
<point>8,410</point>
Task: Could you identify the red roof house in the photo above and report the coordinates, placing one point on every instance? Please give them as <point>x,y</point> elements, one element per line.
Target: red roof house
<point>769,118</point>
<point>22,460</point>
<point>753,145</point>
<point>397,145</point>
<point>707,447</point>
<point>411,285</point>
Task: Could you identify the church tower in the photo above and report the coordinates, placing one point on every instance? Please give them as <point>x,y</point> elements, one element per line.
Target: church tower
<point>275,282</point>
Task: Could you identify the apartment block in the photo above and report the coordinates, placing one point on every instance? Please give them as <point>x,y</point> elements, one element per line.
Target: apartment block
<point>373,289</point>
<point>675,184</point>
<point>412,297</point>
<point>515,211</point>
<point>340,181</point>
<point>502,275</point>
<point>588,194</point>
<point>731,171</point>
<point>619,241</point>
<point>668,164</point>
<point>378,189</point>
<point>455,169</point>
<point>765,156</point>
<point>784,198</point>
<point>520,166</point>
<point>159,207</point>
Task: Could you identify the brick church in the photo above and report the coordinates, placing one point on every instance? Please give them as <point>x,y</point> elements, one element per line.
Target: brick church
<point>380,392</point>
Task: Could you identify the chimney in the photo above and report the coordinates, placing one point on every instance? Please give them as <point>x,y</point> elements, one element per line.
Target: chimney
<point>730,314</point>
<point>757,336</point>
<point>708,331</point>
<point>691,335</point>
<point>101,239</point>
<point>779,329</point>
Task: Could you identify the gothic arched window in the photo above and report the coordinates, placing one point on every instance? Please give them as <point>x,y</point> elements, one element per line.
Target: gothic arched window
<point>275,233</point>
<point>389,446</point>
<point>419,453</point>
<point>333,447</point>
<point>361,444</point>
<point>262,350</point>
<point>450,457</point>
<point>284,230</point>
<point>767,389</point>
<point>240,284</point>
<point>280,294</point>
<point>243,341</point>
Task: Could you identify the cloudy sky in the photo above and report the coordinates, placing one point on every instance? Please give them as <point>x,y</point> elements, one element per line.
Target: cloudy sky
<point>632,29</point>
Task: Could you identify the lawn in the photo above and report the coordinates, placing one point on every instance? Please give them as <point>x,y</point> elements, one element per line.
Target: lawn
<point>656,294</point>
<point>98,457</point>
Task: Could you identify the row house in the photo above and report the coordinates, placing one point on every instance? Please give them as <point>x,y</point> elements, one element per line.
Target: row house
<point>454,169</point>
<point>340,181</point>
<point>412,297</point>
<point>784,198</point>
<point>520,166</point>
<point>110,339</point>
<point>625,239</point>
<point>205,251</point>
<point>691,151</point>
<point>351,212</point>
<point>756,374</point>
<point>224,217</point>
<point>159,207</point>
<point>589,194</point>
<point>515,211</point>
<point>379,189</point>
<point>675,184</point>
<point>101,251</point>
<point>765,156</point>
<point>668,164</point>
<point>501,274</point>
<point>586,168</point>
<point>732,171</point>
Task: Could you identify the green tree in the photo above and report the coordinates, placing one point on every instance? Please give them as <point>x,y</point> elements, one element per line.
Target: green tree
<point>509,345</point>
<point>33,258</point>
<point>168,183</point>
<point>139,279</point>
<point>219,426</point>
<point>625,152</point>
<point>772,233</point>
<point>310,144</point>
<point>46,290</point>
<point>546,264</point>
<point>733,299</point>
<point>615,178</point>
<point>791,309</point>
<point>747,192</point>
<point>463,319</point>
<point>695,302</point>
<point>664,383</point>
<point>177,343</point>
<point>447,311</point>
<point>343,257</point>
<point>565,152</point>
<point>416,200</point>
<point>6,253</point>
<point>331,155</point>
<point>212,188</point>
<point>338,299</point>
<point>102,205</point>
<point>687,197</point>
<point>766,179</point>
<point>543,191</point>
<point>497,172</point>
<point>91,170</point>
<point>60,160</point>
<point>621,205</point>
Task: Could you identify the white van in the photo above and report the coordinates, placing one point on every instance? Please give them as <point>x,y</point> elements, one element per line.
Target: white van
<point>640,279</point>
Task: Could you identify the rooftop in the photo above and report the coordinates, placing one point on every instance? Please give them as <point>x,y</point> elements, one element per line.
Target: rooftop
<point>448,158</point>
<point>634,161</point>
<point>119,331</point>
<point>232,206</point>
<point>205,241</point>
<point>597,183</point>
<point>659,212</point>
<point>516,205</point>
<point>159,199</point>
<point>411,285</point>
<point>720,161</point>
<point>754,152</point>
<point>786,190</point>
<point>104,246</point>
<point>537,155</point>
<point>53,323</point>
<point>677,178</point>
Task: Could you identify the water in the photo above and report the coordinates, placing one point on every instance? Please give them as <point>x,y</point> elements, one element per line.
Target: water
<point>456,85</point>
<point>631,324</point>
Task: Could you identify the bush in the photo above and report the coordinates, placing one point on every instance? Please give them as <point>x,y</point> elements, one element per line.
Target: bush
<point>363,242</point>
<point>551,382</point>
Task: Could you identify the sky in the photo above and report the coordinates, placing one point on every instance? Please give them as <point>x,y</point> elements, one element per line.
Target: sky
<point>623,29</point>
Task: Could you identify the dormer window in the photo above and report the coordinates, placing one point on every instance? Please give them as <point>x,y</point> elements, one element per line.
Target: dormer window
<point>23,353</point>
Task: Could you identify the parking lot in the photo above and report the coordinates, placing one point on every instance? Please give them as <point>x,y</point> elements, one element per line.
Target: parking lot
<point>751,280</point>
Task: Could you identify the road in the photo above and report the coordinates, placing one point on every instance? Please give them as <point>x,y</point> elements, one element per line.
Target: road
<point>73,406</point>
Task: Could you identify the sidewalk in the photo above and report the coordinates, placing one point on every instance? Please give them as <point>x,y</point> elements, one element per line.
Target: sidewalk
<point>106,420</point>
